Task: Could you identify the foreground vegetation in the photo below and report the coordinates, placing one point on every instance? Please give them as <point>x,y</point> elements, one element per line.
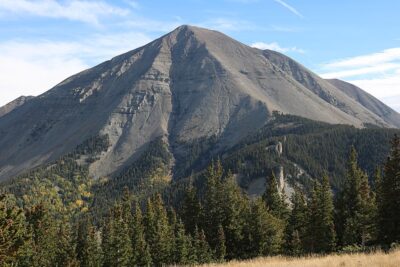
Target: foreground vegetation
<point>49,217</point>
<point>377,259</point>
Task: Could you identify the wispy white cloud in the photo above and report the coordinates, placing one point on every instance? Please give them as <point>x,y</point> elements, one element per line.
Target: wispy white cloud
<point>377,69</point>
<point>43,63</point>
<point>387,55</point>
<point>276,47</point>
<point>290,8</point>
<point>377,73</point>
<point>76,10</point>
<point>228,24</point>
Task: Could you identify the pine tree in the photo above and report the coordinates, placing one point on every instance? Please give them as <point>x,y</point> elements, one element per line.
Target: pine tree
<point>88,248</point>
<point>141,253</point>
<point>220,250</point>
<point>321,234</point>
<point>265,231</point>
<point>117,246</point>
<point>296,230</point>
<point>44,235</point>
<point>65,246</point>
<point>389,197</point>
<point>203,250</point>
<point>213,214</point>
<point>191,209</point>
<point>357,208</point>
<point>159,234</point>
<point>14,235</point>
<point>275,200</point>
<point>182,245</point>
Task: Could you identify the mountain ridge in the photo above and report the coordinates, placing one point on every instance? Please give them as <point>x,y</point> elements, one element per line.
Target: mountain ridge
<point>189,84</point>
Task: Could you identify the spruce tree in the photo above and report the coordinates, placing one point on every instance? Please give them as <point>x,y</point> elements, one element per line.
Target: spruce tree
<point>274,199</point>
<point>117,246</point>
<point>389,197</point>
<point>182,245</point>
<point>88,248</point>
<point>141,254</point>
<point>191,209</point>
<point>265,231</point>
<point>44,227</point>
<point>14,234</point>
<point>159,234</point>
<point>220,250</point>
<point>296,230</point>
<point>358,208</point>
<point>203,250</point>
<point>321,236</point>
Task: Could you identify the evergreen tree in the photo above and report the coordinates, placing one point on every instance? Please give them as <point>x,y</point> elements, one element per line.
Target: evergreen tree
<point>203,250</point>
<point>296,230</point>
<point>389,197</point>
<point>265,231</point>
<point>159,234</point>
<point>141,253</point>
<point>191,209</point>
<point>213,214</point>
<point>88,248</point>
<point>220,250</point>
<point>65,246</point>
<point>117,246</point>
<point>44,235</point>
<point>182,245</point>
<point>358,209</point>
<point>14,235</point>
<point>321,234</point>
<point>275,200</point>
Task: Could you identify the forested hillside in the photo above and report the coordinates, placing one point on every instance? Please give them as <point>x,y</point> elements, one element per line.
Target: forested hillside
<point>153,213</point>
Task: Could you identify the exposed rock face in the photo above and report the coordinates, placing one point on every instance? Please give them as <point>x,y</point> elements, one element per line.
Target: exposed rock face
<point>14,104</point>
<point>189,84</point>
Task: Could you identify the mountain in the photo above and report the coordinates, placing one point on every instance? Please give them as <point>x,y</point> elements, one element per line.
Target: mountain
<point>190,85</point>
<point>368,101</point>
<point>14,104</point>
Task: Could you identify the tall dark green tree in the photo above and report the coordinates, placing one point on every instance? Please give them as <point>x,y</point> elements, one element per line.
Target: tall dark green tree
<point>389,197</point>
<point>14,234</point>
<point>158,231</point>
<point>220,250</point>
<point>117,246</point>
<point>141,252</point>
<point>264,231</point>
<point>191,209</point>
<point>88,245</point>
<point>274,199</point>
<point>182,245</point>
<point>203,250</point>
<point>357,208</point>
<point>321,236</point>
<point>296,230</point>
<point>44,227</point>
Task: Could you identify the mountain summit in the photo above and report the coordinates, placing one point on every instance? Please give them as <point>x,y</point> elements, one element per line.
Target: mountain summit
<point>190,84</point>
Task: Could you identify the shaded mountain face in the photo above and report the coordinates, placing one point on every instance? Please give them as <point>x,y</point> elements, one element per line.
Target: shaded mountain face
<point>188,85</point>
<point>14,104</point>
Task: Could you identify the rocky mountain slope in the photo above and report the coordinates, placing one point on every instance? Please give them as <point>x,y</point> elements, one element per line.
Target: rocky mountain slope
<point>14,104</point>
<point>188,85</point>
<point>368,101</point>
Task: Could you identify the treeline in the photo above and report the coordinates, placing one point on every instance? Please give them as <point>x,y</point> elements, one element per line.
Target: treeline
<point>213,224</point>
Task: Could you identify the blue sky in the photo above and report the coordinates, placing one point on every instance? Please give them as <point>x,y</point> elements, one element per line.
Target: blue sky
<point>44,41</point>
